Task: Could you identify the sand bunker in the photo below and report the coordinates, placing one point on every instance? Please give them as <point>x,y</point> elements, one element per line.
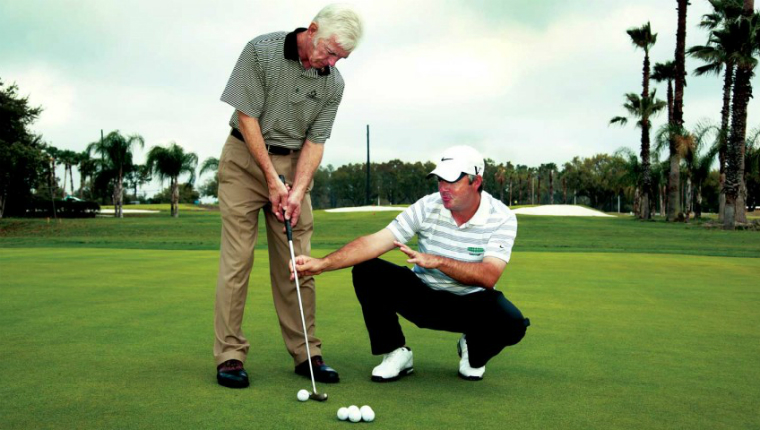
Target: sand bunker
<point>554,210</point>
<point>560,210</point>
<point>368,209</point>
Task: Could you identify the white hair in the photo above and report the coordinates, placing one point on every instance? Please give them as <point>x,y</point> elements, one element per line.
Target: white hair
<point>343,22</point>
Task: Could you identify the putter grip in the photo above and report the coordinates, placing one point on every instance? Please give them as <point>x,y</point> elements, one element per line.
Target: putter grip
<point>288,227</point>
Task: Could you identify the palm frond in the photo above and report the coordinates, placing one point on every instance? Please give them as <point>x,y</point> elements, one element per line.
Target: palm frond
<point>642,37</point>
<point>620,120</point>
<point>210,164</point>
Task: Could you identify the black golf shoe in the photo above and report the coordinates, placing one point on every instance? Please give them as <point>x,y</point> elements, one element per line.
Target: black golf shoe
<point>322,372</point>
<point>231,374</point>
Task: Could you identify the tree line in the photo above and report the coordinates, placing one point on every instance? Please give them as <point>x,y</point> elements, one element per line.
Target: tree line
<point>106,167</point>
<point>108,174</point>
<point>607,182</point>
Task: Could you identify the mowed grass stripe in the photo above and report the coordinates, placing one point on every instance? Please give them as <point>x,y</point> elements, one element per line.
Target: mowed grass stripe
<point>103,338</point>
<point>199,230</point>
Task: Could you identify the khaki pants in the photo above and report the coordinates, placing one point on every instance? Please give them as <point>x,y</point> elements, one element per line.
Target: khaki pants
<point>242,193</point>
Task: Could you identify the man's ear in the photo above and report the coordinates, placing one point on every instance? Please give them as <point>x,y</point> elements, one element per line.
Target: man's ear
<point>313,28</point>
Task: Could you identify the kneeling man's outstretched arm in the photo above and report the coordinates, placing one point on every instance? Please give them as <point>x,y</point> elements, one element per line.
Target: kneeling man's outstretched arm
<point>482,274</point>
<point>357,251</point>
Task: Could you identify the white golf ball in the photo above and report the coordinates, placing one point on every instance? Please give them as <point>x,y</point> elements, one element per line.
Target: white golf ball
<point>303,395</point>
<point>368,414</point>
<point>343,414</point>
<point>354,415</point>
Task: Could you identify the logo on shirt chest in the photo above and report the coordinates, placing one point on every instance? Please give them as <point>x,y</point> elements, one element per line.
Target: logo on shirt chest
<point>300,94</point>
<point>475,250</point>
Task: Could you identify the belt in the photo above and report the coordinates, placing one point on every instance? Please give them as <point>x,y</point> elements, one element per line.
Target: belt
<point>271,149</point>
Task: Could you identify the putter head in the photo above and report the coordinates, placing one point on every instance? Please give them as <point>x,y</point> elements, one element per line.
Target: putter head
<point>320,397</point>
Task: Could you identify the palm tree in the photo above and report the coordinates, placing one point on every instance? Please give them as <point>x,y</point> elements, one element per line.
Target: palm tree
<point>698,161</point>
<point>659,183</point>
<point>116,156</point>
<point>752,169</point>
<point>521,172</point>
<point>745,28</point>
<point>137,176</point>
<point>67,158</point>
<point>719,56</point>
<point>210,164</point>
<point>643,38</point>
<point>552,168</point>
<point>666,72</point>
<point>87,168</point>
<point>642,108</point>
<point>500,177</point>
<point>211,186</point>
<point>171,162</point>
<point>546,171</point>
<point>531,182</point>
<point>677,119</point>
<point>723,11</point>
<point>630,181</point>
<point>53,154</point>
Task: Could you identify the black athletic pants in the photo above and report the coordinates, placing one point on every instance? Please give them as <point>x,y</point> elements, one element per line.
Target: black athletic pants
<point>384,289</point>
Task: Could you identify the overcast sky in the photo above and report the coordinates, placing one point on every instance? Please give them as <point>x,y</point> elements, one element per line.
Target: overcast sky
<point>523,81</point>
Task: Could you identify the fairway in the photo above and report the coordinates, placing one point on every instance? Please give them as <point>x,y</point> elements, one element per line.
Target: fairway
<point>121,338</point>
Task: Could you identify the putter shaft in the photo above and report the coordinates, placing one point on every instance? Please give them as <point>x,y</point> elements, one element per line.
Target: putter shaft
<point>289,231</point>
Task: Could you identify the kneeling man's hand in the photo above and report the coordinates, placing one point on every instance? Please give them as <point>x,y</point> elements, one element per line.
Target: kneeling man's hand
<point>428,261</point>
<point>306,266</point>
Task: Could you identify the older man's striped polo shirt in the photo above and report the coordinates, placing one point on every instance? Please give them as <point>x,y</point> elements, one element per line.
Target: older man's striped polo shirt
<point>291,103</point>
<point>491,232</point>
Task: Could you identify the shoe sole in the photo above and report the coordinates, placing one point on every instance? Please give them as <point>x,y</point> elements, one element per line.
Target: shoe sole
<point>470,378</point>
<point>400,374</point>
<point>234,385</point>
<point>321,380</point>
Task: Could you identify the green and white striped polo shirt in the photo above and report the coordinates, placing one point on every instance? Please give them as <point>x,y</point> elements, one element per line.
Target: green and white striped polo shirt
<point>292,104</point>
<point>491,232</point>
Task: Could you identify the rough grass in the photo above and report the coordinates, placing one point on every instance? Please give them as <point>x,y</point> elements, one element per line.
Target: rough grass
<point>640,333</point>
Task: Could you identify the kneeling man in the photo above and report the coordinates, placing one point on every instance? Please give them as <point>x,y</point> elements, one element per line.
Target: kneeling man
<point>465,239</point>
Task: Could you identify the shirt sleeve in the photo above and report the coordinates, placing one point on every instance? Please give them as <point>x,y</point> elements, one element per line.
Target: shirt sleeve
<point>408,222</point>
<point>245,88</point>
<point>501,241</point>
<point>321,128</point>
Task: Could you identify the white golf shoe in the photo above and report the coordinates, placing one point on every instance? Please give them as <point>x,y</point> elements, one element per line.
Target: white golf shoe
<point>465,370</point>
<point>395,364</point>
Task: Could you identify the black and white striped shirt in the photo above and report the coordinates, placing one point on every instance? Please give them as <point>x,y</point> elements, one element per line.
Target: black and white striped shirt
<point>491,232</point>
<point>291,104</point>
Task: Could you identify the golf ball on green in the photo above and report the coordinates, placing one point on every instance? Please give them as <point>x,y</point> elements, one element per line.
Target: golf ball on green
<point>303,395</point>
<point>354,415</point>
<point>343,414</point>
<point>368,414</point>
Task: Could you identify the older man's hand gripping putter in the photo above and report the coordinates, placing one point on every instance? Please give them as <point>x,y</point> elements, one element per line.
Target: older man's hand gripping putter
<point>320,397</point>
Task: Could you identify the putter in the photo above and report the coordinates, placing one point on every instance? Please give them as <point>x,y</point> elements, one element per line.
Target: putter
<point>320,397</point>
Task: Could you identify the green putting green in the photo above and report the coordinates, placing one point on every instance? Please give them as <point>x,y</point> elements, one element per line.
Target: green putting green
<point>121,338</point>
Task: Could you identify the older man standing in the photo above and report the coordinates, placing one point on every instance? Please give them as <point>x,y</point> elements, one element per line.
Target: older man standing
<point>285,90</point>
<point>465,241</point>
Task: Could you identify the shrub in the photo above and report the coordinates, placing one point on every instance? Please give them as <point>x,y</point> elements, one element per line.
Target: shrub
<point>63,208</point>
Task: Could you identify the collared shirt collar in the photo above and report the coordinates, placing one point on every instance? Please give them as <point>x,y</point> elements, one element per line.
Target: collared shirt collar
<point>290,50</point>
<point>481,215</point>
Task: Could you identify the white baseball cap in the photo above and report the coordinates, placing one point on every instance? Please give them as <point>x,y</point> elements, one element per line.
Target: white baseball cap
<point>457,160</point>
